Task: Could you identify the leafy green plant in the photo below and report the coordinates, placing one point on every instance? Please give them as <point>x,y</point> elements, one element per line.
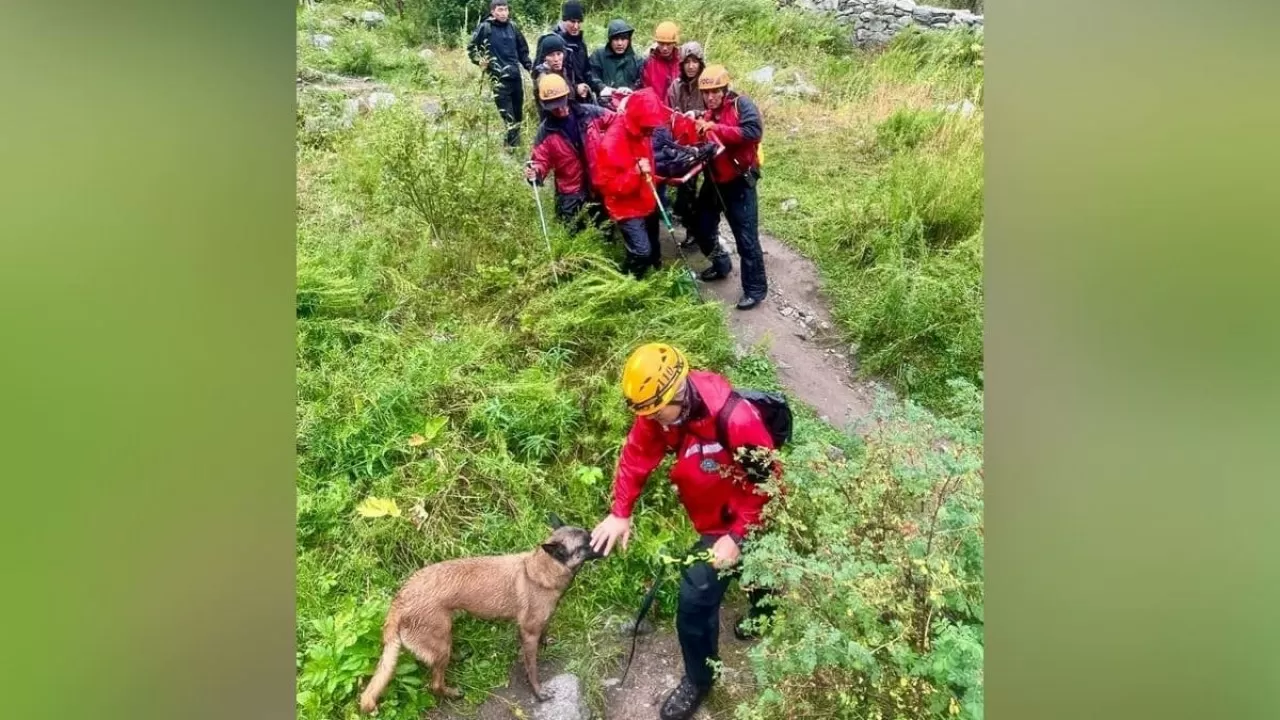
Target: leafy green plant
<point>878,562</point>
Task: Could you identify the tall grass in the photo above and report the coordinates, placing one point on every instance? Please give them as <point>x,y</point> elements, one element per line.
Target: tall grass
<point>448,361</point>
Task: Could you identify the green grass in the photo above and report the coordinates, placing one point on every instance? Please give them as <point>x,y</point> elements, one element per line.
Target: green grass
<point>429,305</point>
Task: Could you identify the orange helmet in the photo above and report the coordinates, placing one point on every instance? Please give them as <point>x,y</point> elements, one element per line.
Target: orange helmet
<point>666,32</point>
<point>553,91</point>
<point>652,376</point>
<point>713,78</point>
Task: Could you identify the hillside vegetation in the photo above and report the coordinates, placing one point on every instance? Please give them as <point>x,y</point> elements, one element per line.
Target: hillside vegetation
<point>450,362</point>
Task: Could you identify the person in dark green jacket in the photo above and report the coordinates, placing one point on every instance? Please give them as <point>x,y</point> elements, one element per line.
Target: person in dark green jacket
<point>614,65</point>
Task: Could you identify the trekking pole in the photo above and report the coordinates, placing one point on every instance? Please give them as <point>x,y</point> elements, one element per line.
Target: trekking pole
<point>537,200</point>
<point>648,178</point>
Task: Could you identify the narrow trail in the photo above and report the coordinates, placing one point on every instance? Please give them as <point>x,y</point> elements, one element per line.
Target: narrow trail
<point>816,368</point>
<point>795,324</point>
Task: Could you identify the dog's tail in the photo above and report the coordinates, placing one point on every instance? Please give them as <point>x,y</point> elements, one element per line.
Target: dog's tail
<point>386,665</point>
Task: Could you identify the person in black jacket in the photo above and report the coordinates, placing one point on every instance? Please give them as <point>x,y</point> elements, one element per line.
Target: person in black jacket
<point>569,29</point>
<point>552,50</point>
<point>499,47</point>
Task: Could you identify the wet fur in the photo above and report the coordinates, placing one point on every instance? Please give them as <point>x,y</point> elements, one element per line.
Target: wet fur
<point>524,587</point>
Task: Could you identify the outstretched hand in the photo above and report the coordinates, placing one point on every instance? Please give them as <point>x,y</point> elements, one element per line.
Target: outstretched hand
<point>726,551</point>
<point>608,532</point>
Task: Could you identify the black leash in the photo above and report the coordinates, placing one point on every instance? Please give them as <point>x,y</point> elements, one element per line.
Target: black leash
<point>644,610</point>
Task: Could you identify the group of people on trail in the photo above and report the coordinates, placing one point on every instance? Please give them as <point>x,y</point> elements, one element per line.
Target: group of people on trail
<point>617,130</point>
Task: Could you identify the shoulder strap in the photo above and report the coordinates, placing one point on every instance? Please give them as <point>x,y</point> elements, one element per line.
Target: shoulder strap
<point>722,420</point>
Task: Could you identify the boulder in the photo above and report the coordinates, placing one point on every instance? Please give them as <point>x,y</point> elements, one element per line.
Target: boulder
<point>372,19</point>
<point>764,75</point>
<point>426,54</point>
<point>322,41</point>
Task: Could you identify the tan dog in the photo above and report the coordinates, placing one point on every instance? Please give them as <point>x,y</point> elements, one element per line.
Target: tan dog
<point>524,587</point>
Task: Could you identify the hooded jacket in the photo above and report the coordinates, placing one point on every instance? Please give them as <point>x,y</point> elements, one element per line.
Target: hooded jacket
<point>609,69</point>
<point>684,94</point>
<point>556,150</point>
<point>658,72</point>
<point>718,504</point>
<point>626,193</point>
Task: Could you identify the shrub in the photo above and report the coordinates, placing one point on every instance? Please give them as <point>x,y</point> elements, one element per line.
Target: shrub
<point>879,564</point>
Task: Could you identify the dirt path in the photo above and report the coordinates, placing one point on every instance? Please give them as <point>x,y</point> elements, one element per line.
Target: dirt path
<point>814,364</point>
<point>654,672</point>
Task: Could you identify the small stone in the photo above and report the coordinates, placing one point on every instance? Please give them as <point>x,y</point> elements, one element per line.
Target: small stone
<point>322,41</point>
<point>965,108</point>
<point>879,26</point>
<point>825,418</point>
<point>763,76</point>
<point>375,100</point>
<point>906,6</point>
<point>432,108</point>
<point>566,701</point>
<point>834,453</point>
<point>803,335</point>
<point>824,325</point>
<point>923,14</point>
<point>903,21</point>
<point>610,682</point>
<point>372,18</point>
<point>868,15</point>
<point>787,311</point>
<point>426,54</point>
<point>624,628</point>
<point>790,204</point>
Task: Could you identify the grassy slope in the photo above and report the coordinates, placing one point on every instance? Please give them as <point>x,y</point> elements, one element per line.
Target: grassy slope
<point>426,301</point>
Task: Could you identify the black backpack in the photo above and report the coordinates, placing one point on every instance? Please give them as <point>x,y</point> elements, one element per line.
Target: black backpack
<point>773,409</point>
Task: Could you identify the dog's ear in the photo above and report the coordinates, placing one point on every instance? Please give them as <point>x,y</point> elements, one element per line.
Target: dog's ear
<point>557,551</point>
<point>554,521</point>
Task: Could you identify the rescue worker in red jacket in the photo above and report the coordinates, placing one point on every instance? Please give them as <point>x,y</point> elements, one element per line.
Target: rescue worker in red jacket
<point>734,120</point>
<point>564,142</point>
<point>676,411</point>
<point>624,173</point>
<point>661,65</point>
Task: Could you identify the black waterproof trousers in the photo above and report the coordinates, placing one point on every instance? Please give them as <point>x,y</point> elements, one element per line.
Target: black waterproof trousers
<point>737,201</point>
<point>702,590</point>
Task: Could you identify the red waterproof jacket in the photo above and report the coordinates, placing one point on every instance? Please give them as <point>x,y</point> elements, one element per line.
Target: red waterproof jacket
<point>658,72</point>
<point>555,152</point>
<point>710,484</point>
<point>625,192</point>
<point>739,127</point>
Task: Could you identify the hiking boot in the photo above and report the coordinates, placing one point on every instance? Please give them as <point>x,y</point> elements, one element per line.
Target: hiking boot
<point>747,303</point>
<point>684,701</point>
<point>713,273</point>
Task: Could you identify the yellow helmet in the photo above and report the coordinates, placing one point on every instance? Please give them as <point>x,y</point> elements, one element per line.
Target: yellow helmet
<point>666,32</point>
<point>713,78</point>
<point>651,377</point>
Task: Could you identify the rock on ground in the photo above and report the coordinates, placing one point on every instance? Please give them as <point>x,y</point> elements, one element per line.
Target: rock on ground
<point>566,702</point>
<point>764,75</point>
<point>322,41</point>
<point>372,18</point>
